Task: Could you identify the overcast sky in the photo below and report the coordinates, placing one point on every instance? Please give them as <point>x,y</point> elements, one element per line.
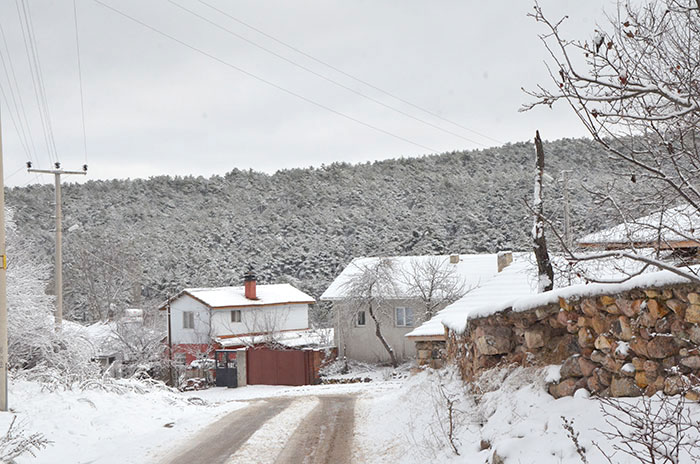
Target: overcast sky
<point>155,106</point>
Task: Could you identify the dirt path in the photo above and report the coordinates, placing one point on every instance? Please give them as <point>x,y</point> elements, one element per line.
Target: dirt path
<point>216,443</point>
<point>325,436</point>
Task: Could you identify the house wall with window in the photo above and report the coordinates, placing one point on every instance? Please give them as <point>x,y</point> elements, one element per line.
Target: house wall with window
<point>191,323</point>
<point>183,312</point>
<point>357,341</point>
<point>257,319</point>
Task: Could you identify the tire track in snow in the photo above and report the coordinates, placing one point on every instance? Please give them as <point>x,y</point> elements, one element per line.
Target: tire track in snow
<point>216,443</point>
<point>325,436</point>
<point>267,442</point>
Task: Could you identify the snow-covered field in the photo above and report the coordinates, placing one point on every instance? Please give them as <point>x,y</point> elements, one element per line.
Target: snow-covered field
<point>100,427</point>
<point>513,416</point>
<point>396,419</point>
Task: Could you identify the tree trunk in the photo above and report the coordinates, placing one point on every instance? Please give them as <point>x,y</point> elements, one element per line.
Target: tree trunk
<point>545,274</point>
<point>378,333</point>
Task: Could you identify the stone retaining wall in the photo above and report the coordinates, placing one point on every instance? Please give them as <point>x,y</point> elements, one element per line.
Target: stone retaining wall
<point>628,344</point>
<point>431,353</point>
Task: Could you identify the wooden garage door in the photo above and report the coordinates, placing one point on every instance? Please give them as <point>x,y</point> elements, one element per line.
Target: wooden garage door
<point>277,367</point>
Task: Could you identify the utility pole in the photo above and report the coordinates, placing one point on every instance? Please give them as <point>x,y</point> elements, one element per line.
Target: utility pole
<point>59,252</point>
<point>3,290</point>
<point>567,211</point>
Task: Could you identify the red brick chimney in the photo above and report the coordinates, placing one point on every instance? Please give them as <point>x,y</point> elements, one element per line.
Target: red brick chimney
<point>249,283</point>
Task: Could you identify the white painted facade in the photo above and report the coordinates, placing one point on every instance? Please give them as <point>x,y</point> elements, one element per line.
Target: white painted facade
<point>212,323</point>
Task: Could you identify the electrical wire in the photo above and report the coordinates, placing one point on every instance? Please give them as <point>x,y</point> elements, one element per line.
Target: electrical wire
<point>21,168</point>
<point>16,95</point>
<point>42,87</point>
<point>265,81</point>
<point>80,78</point>
<point>14,123</point>
<point>324,77</point>
<point>34,80</point>
<point>355,78</point>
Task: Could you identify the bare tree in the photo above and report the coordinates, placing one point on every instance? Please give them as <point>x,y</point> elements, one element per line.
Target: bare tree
<point>650,430</point>
<point>264,325</point>
<point>434,282</point>
<point>545,273</point>
<point>102,278</point>
<point>370,289</point>
<point>141,342</point>
<point>634,86</point>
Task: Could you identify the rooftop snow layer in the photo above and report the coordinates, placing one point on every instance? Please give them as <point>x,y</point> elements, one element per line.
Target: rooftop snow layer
<point>516,280</point>
<point>458,321</point>
<point>677,224</point>
<point>472,269</point>
<point>225,297</point>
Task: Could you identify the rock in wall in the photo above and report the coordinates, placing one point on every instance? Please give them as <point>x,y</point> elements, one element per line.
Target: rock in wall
<point>637,342</point>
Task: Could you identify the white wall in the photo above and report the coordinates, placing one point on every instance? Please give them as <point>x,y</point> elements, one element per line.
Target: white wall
<point>253,319</point>
<point>200,333</point>
<point>261,319</point>
<point>362,344</point>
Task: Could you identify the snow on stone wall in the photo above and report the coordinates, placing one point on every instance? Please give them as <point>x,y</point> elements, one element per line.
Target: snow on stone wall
<point>639,341</point>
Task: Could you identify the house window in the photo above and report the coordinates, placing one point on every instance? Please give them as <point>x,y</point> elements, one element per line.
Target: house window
<point>404,317</point>
<point>361,321</point>
<point>236,315</point>
<point>188,319</point>
<point>180,359</point>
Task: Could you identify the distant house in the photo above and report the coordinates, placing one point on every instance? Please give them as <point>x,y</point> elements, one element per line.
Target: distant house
<point>405,307</point>
<point>203,319</point>
<point>519,279</point>
<point>676,229</point>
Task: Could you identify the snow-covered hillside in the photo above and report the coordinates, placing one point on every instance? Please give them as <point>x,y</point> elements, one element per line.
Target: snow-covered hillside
<point>128,242</point>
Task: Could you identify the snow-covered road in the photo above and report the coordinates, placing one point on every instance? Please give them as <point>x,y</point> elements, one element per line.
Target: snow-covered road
<point>284,430</point>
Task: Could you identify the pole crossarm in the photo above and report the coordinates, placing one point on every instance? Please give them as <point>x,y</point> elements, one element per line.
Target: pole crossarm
<point>55,171</point>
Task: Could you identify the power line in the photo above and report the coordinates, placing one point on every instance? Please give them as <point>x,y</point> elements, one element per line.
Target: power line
<point>265,81</point>
<point>80,77</point>
<point>324,77</point>
<point>14,89</point>
<point>34,80</point>
<point>14,123</point>
<point>14,173</point>
<point>42,87</point>
<point>338,70</point>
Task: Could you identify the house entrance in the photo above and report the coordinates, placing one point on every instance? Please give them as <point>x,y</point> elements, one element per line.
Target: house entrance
<point>226,368</point>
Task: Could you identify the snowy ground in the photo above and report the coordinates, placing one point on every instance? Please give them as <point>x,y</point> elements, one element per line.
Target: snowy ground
<point>100,427</point>
<point>514,416</point>
<point>395,419</point>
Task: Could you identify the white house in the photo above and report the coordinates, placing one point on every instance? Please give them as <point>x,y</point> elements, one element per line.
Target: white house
<point>403,302</point>
<point>200,319</point>
<point>675,228</point>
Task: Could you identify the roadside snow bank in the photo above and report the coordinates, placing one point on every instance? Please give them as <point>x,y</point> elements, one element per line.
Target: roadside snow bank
<point>100,427</point>
<point>511,414</point>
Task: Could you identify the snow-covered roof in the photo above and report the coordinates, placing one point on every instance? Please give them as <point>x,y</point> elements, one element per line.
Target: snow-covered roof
<point>458,322</point>
<point>471,269</point>
<point>677,224</point>
<point>516,280</point>
<point>290,339</point>
<point>231,297</point>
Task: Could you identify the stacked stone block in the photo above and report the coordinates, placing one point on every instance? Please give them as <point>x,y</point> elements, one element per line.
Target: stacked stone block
<point>637,342</point>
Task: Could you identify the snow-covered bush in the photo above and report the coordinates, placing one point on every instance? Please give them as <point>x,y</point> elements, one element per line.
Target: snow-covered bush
<point>35,347</point>
<point>17,442</point>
